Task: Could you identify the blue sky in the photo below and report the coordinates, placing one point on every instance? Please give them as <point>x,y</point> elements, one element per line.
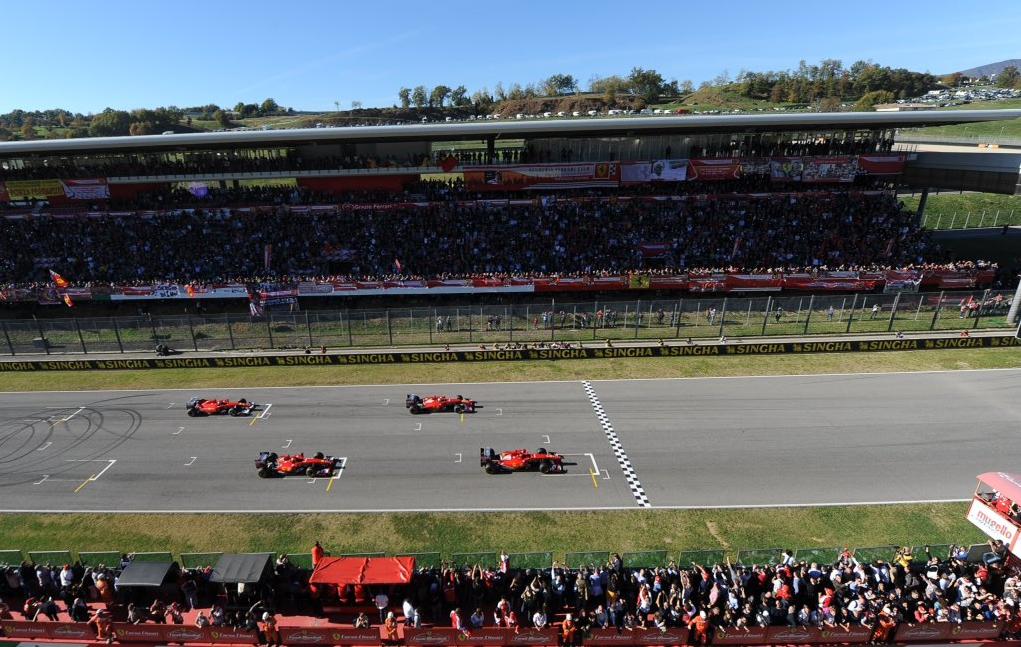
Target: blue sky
<point>86,56</point>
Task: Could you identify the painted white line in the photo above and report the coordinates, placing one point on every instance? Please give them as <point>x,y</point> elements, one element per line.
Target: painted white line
<point>455,384</point>
<point>189,463</point>
<point>45,476</point>
<point>606,474</point>
<point>386,402</point>
<point>547,441</point>
<point>80,409</point>
<point>458,457</point>
<point>171,406</point>
<point>48,443</point>
<point>289,441</point>
<point>499,412</point>
<point>483,509</point>
<point>418,426</point>
<point>178,432</point>
<point>264,412</point>
<point>95,477</point>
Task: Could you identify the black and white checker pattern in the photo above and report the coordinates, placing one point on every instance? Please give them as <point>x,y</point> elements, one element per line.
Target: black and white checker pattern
<point>618,450</point>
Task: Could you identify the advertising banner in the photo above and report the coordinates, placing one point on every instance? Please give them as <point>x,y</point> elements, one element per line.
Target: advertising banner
<point>329,636</point>
<point>753,283</point>
<point>95,189</point>
<point>449,636</point>
<point>829,169</point>
<point>543,176</point>
<point>715,170</point>
<point>669,170</point>
<point>635,172</point>
<point>881,164</point>
<point>945,631</point>
<point>533,637</point>
<point>992,523</point>
<point>655,250</point>
<point>740,636</point>
<point>786,169</point>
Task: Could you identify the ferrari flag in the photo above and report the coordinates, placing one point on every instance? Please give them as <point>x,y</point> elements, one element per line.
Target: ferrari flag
<point>59,280</point>
<point>68,301</point>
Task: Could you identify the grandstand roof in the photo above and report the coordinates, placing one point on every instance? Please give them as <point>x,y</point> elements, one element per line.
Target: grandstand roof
<point>596,127</point>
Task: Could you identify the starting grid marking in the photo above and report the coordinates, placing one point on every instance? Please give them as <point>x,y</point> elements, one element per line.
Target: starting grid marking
<point>618,450</point>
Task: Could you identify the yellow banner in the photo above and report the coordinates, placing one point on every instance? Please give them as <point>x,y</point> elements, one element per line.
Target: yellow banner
<point>20,189</point>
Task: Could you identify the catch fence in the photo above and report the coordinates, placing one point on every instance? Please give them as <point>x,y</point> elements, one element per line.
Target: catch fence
<point>546,321</point>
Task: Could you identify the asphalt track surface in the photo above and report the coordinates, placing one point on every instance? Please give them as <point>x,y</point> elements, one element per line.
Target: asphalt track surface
<point>797,440</point>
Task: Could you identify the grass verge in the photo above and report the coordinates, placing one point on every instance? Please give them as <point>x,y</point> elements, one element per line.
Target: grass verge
<point>972,209</point>
<point>518,371</point>
<point>447,533</point>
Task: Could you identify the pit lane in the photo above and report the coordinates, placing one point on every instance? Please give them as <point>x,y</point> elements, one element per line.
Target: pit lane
<point>799,440</point>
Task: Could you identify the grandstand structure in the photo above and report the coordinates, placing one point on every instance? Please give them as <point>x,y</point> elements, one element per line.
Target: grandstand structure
<point>373,208</point>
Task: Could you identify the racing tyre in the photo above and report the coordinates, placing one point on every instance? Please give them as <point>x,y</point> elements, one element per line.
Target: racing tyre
<point>490,468</point>
<point>193,413</point>
<point>236,411</point>
<point>415,409</point>
<point>311,472</point>
<point>545,467</point>
<point>265,472</point>
<point>459,408</point>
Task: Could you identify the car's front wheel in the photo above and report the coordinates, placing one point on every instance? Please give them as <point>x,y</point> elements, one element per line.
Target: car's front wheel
<point>545,467</point>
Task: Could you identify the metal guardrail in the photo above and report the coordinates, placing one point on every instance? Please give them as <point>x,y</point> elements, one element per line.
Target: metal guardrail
<point>936,138</point>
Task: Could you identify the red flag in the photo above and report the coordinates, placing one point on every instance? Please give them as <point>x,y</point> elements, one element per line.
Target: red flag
<point>190,289</point>
<point>449,163</point>
<point>59,280</point>
<point>397,264</point>
<point>68,301</point>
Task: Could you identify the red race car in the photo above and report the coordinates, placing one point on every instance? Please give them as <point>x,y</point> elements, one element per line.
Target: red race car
<point>202,407</point>
<point>269,465</point>
<point>435,403</point>
<point>521,460</point>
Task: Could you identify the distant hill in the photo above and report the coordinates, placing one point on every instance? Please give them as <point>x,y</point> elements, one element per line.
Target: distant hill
<point>991,68</point>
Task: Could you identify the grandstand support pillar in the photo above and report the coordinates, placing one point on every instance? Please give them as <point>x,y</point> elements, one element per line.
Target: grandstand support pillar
<point>116,333</point>
<point>42,336</point>
<point>808,316</point>
<point>920,212</point>
<point>935,312</point>
<point>1012,313</point>
<point>308,327</point>
<point>389,328</point>
<point>850,313</point>
<point>490,149</point>
<point>81,339</point>
<point>893,311</point>
<point>765,315</point>
<point>7,337</point>
<point>269,329</point>
<point>350,337</point>
<point>723,315</point>
<point>191,329</point>
<point>230,331</point>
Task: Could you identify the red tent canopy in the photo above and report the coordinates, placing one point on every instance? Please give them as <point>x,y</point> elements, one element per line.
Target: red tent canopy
<point>341,571</point>
<point>1009,485</point>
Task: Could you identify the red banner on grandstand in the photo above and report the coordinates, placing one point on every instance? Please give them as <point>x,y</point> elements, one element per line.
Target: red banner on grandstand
<point>786,169</point>
<point>637,636</point>
<point>94,189</point>
<point>486,636</point>
<point>740,636</point>
<point>715,170</point>
<point>655,250</point>
<point>533,637</point>
<point>543,176</point>
<point>714,283</point>
<point>47,630</point>
<point>753,283</point>
<point>829,169</point>
<point>329,636</point>
<point>881,164</point>
<point>944,631</point>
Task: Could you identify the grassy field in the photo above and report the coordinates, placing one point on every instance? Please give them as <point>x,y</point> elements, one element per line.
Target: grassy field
<point>973,209</point>
<point>559,533</point>
<point>1011,128</point>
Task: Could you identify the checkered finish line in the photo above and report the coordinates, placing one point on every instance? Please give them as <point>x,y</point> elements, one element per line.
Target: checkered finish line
<point>618,450</point>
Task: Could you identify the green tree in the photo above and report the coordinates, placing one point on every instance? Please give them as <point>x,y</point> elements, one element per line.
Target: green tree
<point>558,83</point>
<point>269,107</point>
<point>404,94</point>
<point>420,96</point>
<point>1009,77</point>
<point>459,97</point>
<point>109,123</point>
<point>869,100</point>
<point>222,119</point>
<point>438,96</point>
<point>28,130</point>
<point>829,104</point>
<point>952,80</point>
<point>648,84</point>
<point>483,101</point>
<point>5,135</point>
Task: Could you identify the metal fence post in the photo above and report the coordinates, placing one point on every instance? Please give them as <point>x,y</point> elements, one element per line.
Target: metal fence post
<point>765,316</point>
<point>389,328</point>
<point>152,325</point>
<point>952,221</point>
<point>850,313</point>
<point>808,317</point>
<point>638,316</point>
<point>938,221</point>
<point>191,329</point>
<point>723,316</point>
<point>269,328</point>
<point>893,311</point>
<point>981,305</point>
<point>7,337</point>
<point>595,319</point>
<point>966,220</point>
<point>42,335</point>
<point>509,316</point>
<point>230,332</point>
<point>553,319</point>
<point>434,321</point>
<point>350,335</point>
<point>117,333</point>
<point>935,312</point>
<point>308,327</point>
<point>81,339</point>
<point>680,312</point>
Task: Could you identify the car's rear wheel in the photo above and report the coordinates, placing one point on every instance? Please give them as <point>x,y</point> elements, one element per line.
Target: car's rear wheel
<point>459,408</point>
<point>545,467</point>
<point>193,413</point>
<point>265,472</point>
<point>415,409</point>
<point>490,468</point>
<point>311,471</point>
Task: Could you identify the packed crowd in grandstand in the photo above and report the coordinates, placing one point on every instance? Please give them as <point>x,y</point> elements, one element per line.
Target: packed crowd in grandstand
<point>915,588</point>
<point>565,237</point>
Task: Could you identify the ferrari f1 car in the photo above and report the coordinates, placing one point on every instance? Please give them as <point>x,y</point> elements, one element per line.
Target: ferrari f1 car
<point>203,407</point>
<point>270,465</point>
<point>521,460</point>
<point>436,403</point>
